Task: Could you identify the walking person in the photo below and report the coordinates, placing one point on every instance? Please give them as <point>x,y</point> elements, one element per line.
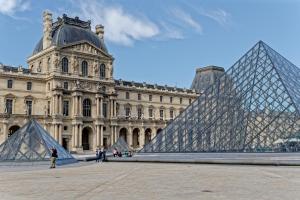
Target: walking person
<point>100,155</point>
<point>53,157</point>
<point>103,155</point>
<point>97,155</point>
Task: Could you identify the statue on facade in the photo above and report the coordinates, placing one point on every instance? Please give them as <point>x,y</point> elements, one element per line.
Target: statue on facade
<point>75,64</point>
<point>96,67</point>
<point>77,84</point>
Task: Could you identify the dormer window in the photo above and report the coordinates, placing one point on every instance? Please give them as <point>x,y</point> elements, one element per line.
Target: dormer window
<point>65,65</point>
<point>84,68</point>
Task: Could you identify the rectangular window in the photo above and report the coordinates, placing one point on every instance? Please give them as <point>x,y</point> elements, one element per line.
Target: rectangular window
<point>190,101</point>
<point>139,113</point>
<point>29,107</point>
<point>171,114</point>
<point>171,99</point>
<point>161,114</point>
<point>150,113</point>
<point>104,110</point>
<point>66,108</point>
<point>48,108</point>
<point>8,106</point>
<point>150,97</point>
<point>127,95</point>
<point>66,85</point>
<point>180,100</point>
<point>29,85</point>
<point>161,98</point>
<point>9,83</point>
<point>127,112</point>
<point>139,97</point>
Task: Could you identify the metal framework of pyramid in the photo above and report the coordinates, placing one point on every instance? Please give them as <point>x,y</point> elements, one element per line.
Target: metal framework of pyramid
<point>253,107</point>
<point>31,143</point>
<point>121,145</point>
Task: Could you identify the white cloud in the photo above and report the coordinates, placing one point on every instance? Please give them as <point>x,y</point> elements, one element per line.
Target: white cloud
<point>219,15</point>
<point>9,7</point>
<point>120,26</point>
<point>187,19</point>
<point>170,32</point>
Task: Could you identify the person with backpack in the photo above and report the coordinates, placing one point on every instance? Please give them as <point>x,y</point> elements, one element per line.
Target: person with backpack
<point>53,157</point>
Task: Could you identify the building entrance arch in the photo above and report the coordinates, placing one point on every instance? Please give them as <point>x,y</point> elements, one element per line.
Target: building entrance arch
<point>135,138</point>
<point>148,132</point>
<point>123,134</point>
<point>87,138</point>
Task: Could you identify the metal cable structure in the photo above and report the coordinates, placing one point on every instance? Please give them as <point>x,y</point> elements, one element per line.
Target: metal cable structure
<point>253,107</point>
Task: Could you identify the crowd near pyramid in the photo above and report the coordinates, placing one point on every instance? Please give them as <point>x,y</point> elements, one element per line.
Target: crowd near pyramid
<point>253,107</point>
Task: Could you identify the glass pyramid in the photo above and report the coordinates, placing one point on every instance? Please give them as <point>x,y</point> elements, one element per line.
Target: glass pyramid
<point>253,107</point>
<point>32,143</point>
<point>121,145</point>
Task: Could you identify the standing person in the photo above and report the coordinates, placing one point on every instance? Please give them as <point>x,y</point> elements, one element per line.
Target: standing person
<point>53,157</point>
<point>100,155</point>
<point>104,155</point>
<point>97,155</point>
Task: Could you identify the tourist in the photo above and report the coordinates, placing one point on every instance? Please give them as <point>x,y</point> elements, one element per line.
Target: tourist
<point>104,155</point>
<point>53,157</point>
<point>115,152</point>
<point>97,155</point>
<point>100,154</point>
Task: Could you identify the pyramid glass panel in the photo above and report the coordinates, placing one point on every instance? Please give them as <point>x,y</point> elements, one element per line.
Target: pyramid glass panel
<point>253,107</point>
<point>32,143</point>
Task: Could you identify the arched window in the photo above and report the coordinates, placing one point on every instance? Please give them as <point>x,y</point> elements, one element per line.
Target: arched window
<point>86,108</point>
<point>102,71</point>
<point>84,68</point>
<point>65,65</point>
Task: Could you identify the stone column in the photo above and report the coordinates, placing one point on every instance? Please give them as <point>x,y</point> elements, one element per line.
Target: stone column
<point>76,135</point>
<point>101,107</point>
<point>80,135</point>
<point>129,137</point>
<point>112,140</point>
<point>73,137</point>
<point>80,105</point>
<point>101,136</point>
<point>115,133</point>
<point>97,106</point>
<point>142,137</point>
<point>5,132</point>
<point>97,136</point>
<point>55,132</point>
<point>60,133</point>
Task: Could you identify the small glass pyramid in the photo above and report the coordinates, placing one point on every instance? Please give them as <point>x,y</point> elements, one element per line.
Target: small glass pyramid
<point>32,143</point>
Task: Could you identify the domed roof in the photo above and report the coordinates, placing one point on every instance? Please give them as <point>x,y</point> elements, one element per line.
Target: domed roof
<point>68,30</point>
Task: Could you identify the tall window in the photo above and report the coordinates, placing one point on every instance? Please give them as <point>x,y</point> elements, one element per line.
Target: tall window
<point>102,71</point>
<point>65,65</point>
<point>8,106</point>
<point>180,100</point>
<point>190,101</point>
<point>127,112</point>
<point>104,110</point>
<point>161,98</point>
<point>48,108</point>
<point>150,97</point>
<point>29,107</point>
<point>86,104</point>
<point>139,113</point>
<point>171,99</point>
<point>29,85</point>
<point>171,114</point>
<point>84,68</point>
<point>66,108</point>
<point>139,97</point>
<point>66,85</point>
<point>161,114</point>
<point>127,95</point>
<point>150,113</point>
<point>9,83</point>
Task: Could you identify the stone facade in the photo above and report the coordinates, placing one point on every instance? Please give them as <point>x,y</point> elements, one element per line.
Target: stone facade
<point>70,89</point>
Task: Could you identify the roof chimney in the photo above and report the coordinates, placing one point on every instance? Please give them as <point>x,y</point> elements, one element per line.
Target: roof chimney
<point>100,31</point>
<point>47,23</point>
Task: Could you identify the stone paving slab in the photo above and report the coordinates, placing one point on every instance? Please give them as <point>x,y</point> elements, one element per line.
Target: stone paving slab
<point>139,181</point>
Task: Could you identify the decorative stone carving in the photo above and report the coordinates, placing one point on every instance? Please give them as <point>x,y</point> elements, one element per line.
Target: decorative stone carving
<point>96,67</point>
<point>75,64</point>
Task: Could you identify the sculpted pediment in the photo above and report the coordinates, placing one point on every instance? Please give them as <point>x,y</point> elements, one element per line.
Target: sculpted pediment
<point>86,47</point>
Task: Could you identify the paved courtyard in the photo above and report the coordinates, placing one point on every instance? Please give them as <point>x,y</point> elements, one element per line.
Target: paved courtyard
<point>150,181</point>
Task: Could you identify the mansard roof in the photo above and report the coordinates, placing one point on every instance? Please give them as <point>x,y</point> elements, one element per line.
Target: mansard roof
<point>121,82</point>
<point>68,30</point>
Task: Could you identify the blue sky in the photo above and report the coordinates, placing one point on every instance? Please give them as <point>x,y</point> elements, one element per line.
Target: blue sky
<point>161,41</point>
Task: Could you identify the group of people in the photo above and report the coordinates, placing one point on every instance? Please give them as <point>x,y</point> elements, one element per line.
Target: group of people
<point>117,153</point>
<point>100,155</point>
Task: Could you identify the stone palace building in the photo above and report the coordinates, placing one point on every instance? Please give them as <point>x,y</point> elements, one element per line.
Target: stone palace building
<point>70,89</point>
